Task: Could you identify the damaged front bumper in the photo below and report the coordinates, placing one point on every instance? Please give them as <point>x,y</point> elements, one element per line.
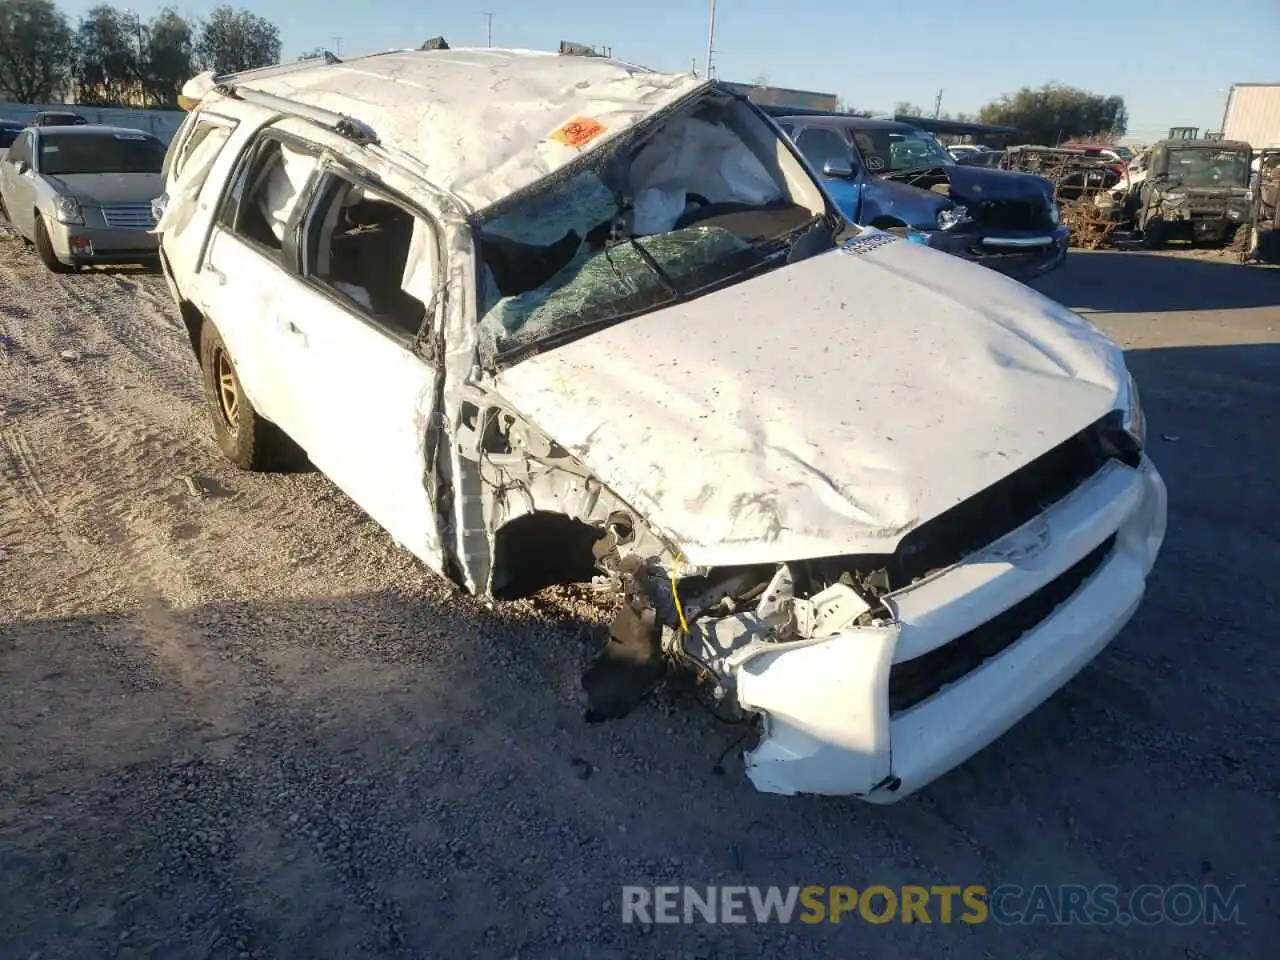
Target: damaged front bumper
<point>879,711</point>
<point>1022,253</point>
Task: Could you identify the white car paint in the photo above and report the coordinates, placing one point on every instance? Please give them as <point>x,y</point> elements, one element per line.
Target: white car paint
<point>825,408</point>
<point>821,459</point>
<point>478,126</point>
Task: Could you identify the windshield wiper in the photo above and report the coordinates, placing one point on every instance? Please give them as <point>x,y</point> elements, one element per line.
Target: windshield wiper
<point>663,277</point>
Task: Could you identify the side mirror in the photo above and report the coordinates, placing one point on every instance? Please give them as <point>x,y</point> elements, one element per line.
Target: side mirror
<point>838,169</point>
<point>21,166</point>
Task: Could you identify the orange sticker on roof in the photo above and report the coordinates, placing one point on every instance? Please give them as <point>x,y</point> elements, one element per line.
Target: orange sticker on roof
<point>578,132</point>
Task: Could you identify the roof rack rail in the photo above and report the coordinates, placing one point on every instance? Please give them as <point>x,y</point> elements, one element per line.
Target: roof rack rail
<point>355,130</point>
<point>276,69</point>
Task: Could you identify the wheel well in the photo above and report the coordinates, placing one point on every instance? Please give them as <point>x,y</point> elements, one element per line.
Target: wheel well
<point>541,549</point>
<point>193,319</point>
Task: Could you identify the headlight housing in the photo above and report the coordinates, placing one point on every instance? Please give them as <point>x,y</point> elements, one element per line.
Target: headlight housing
<point>68,210</point>
<point>1055,215</point>
<point>1135,423</point>
<point>953,217</point>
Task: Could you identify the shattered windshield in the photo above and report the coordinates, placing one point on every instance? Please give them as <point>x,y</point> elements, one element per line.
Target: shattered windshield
<point>885,151</point>
<point>697,203</point>
<point>1208,168</point>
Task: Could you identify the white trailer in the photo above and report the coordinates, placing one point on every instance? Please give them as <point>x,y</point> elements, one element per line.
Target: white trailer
<point>1253,114</point>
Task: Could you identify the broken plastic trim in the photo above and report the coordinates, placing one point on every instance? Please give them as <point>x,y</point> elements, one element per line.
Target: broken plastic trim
<point>709,618</point>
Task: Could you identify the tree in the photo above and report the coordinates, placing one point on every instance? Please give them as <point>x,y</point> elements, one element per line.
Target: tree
<point>36,50</point>
<point>169,55</point>
<point>906,108</point>
<point>312,54</point>
<point>842,106</point>
<point>1054,113</point>
<point>233,40</point>
<point>110,52</point>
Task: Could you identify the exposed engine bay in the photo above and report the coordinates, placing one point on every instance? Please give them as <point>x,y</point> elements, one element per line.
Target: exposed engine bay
<point>555,523</point>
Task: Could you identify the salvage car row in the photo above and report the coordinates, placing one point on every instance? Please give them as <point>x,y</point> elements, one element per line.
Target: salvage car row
<point>608,324</point>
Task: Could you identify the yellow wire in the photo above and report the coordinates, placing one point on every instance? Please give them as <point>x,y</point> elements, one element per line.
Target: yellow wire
<point>675,595</point>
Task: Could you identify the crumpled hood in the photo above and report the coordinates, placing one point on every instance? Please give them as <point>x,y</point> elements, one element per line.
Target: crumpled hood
<point>973,184</point>
<point>825,408</point>
<point>96,189</point>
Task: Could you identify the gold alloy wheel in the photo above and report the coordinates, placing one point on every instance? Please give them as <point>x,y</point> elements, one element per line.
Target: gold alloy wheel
<point>228,393</point>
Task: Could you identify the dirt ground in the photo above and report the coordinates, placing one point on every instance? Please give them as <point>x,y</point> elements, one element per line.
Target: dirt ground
<point>237,721</point>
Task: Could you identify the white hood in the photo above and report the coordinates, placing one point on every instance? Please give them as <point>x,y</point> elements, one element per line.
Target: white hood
<point>825,408</point>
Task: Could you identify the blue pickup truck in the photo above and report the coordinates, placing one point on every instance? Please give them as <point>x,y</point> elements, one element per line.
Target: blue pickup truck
<point>891,175</point>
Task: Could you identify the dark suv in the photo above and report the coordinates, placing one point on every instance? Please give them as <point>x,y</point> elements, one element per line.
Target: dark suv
<point>891,175</point>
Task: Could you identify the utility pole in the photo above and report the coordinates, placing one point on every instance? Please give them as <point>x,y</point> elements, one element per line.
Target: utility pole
<point>489,17</point>
<point>711,38</point>
<point>937,105</point>
<point>337,46</point>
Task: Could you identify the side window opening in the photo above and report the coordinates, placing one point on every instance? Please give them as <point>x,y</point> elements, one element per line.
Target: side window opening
<point>372,253</point>
<point>191,164</point>
<point>19,150</point>
<point>820,145</point>
<point>206,140</point>
<point>267,191</point>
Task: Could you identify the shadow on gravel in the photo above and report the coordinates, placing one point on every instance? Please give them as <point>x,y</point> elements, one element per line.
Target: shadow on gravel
<point>383,774</point>
<point>1132,282</point>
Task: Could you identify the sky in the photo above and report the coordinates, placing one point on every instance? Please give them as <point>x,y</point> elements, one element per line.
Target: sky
<point>1173,61</point>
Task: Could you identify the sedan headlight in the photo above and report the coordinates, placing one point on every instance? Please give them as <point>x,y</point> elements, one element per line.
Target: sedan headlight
<point>1055,215</point>
<point>1135,424</point>
<point>68,210</point>
<point>953,217</point>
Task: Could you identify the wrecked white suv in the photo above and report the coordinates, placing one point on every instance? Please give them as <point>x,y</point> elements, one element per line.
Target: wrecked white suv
<point>553,318</point>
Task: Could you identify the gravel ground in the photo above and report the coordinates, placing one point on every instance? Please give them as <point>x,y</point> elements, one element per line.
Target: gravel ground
<point>237,721</point>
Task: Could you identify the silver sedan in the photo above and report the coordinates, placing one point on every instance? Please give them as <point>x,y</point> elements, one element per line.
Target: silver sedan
<point>83,194</point>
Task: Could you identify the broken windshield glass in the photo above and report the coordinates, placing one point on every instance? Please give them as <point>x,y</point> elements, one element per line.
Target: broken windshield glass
<point>695,202</point>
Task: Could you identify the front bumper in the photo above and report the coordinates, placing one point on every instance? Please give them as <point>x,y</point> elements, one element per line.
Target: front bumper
<point>104,244</point>
<point>830,724</point>
<point>1020,253</point>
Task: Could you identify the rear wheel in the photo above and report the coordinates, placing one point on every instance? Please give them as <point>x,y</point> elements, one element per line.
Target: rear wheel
<point>247,440</point>
<point>44,248</point>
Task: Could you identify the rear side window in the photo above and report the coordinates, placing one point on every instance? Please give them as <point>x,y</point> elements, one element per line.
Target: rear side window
<point>269,184</point>
<point>371,253</point>
<point>21,149</point>
<point>819,145</point>
<point>206,139</point>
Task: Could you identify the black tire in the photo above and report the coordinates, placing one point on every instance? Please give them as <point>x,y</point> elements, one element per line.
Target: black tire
<point>1240,241</point>
<point>246,439</point>
<point>1153,233</point>
<point>44,249</point>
